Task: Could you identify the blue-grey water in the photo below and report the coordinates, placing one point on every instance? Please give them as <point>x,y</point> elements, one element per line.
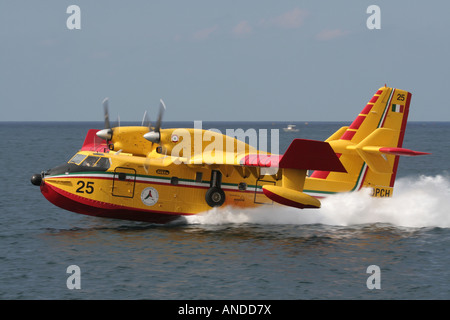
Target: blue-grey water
<point>262,253</point>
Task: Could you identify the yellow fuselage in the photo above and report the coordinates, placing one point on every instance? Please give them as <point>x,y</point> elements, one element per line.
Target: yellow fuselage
<point>176,189</point>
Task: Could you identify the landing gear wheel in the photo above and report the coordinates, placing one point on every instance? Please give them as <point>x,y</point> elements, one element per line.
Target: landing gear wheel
<point>215,197</point>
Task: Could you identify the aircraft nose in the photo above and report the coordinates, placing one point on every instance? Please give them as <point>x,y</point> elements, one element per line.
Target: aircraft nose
<point>36,179</point>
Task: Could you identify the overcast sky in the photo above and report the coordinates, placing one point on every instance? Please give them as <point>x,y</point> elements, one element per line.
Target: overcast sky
<point>225,60</point>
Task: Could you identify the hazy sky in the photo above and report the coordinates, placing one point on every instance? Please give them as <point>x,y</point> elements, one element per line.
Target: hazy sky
<point>220,60</point>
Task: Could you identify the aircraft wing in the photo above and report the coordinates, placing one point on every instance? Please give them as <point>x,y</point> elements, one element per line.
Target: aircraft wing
<point>240,159</point>
<point>302,154</point>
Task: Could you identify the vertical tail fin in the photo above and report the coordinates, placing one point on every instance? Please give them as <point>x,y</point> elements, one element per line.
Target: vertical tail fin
<point>370,147</point>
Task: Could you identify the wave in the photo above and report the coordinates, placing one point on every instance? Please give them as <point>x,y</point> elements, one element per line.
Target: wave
<point>417,202</point>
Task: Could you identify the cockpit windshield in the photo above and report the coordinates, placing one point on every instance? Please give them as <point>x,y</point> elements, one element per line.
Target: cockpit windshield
<point>90,161</point>
<point>77,158</point>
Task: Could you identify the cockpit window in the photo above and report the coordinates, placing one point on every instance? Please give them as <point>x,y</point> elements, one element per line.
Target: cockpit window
<point>96,162</point>
<point>90,161</point>
<point>77,158</point>
<point>103,163</point>
<point>100,163</point>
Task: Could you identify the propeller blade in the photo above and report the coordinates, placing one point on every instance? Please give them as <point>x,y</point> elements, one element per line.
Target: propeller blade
<point>162,108</point>
<point>118,120</point>
<point>106,113</point>
<point>106,133</point>
<point>146,121</point>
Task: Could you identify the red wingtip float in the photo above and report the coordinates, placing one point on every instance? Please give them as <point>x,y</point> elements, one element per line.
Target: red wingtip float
<point>153,174</point>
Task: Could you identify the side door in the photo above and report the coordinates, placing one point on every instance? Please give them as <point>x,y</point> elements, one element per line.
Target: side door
<point>124,182</point>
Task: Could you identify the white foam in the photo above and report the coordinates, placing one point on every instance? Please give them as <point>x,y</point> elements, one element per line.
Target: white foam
<point>417,202</point>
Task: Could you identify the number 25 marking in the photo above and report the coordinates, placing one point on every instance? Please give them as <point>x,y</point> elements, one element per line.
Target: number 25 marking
<point>88,187</point>
<point>400,97</point>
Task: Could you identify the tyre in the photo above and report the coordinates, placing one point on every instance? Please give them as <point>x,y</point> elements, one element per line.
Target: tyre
<point>215,197</point>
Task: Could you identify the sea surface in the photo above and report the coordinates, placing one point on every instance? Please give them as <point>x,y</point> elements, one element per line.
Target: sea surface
<point>265,253</point>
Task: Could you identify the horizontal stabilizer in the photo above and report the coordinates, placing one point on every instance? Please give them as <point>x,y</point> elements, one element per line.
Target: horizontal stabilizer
<point>402,152</point>
<point>372,148</point>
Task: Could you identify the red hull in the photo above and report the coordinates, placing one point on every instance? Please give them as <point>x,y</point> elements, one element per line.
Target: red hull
<point>78,204</point>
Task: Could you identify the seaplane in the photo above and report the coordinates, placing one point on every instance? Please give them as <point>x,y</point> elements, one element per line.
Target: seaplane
<point>154,174</point>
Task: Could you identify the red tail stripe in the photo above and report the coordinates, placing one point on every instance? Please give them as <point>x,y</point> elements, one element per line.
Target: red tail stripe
<point>348,135</point>
<point>374,99</point>
<point>357,123</point>
<point>367,109</point>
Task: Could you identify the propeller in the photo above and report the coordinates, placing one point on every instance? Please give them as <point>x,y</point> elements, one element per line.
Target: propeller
<point>146,120</point>
<point>162,108</point>
<point>154,135</point>
<point>105,104</point>
<point>106,133</point>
